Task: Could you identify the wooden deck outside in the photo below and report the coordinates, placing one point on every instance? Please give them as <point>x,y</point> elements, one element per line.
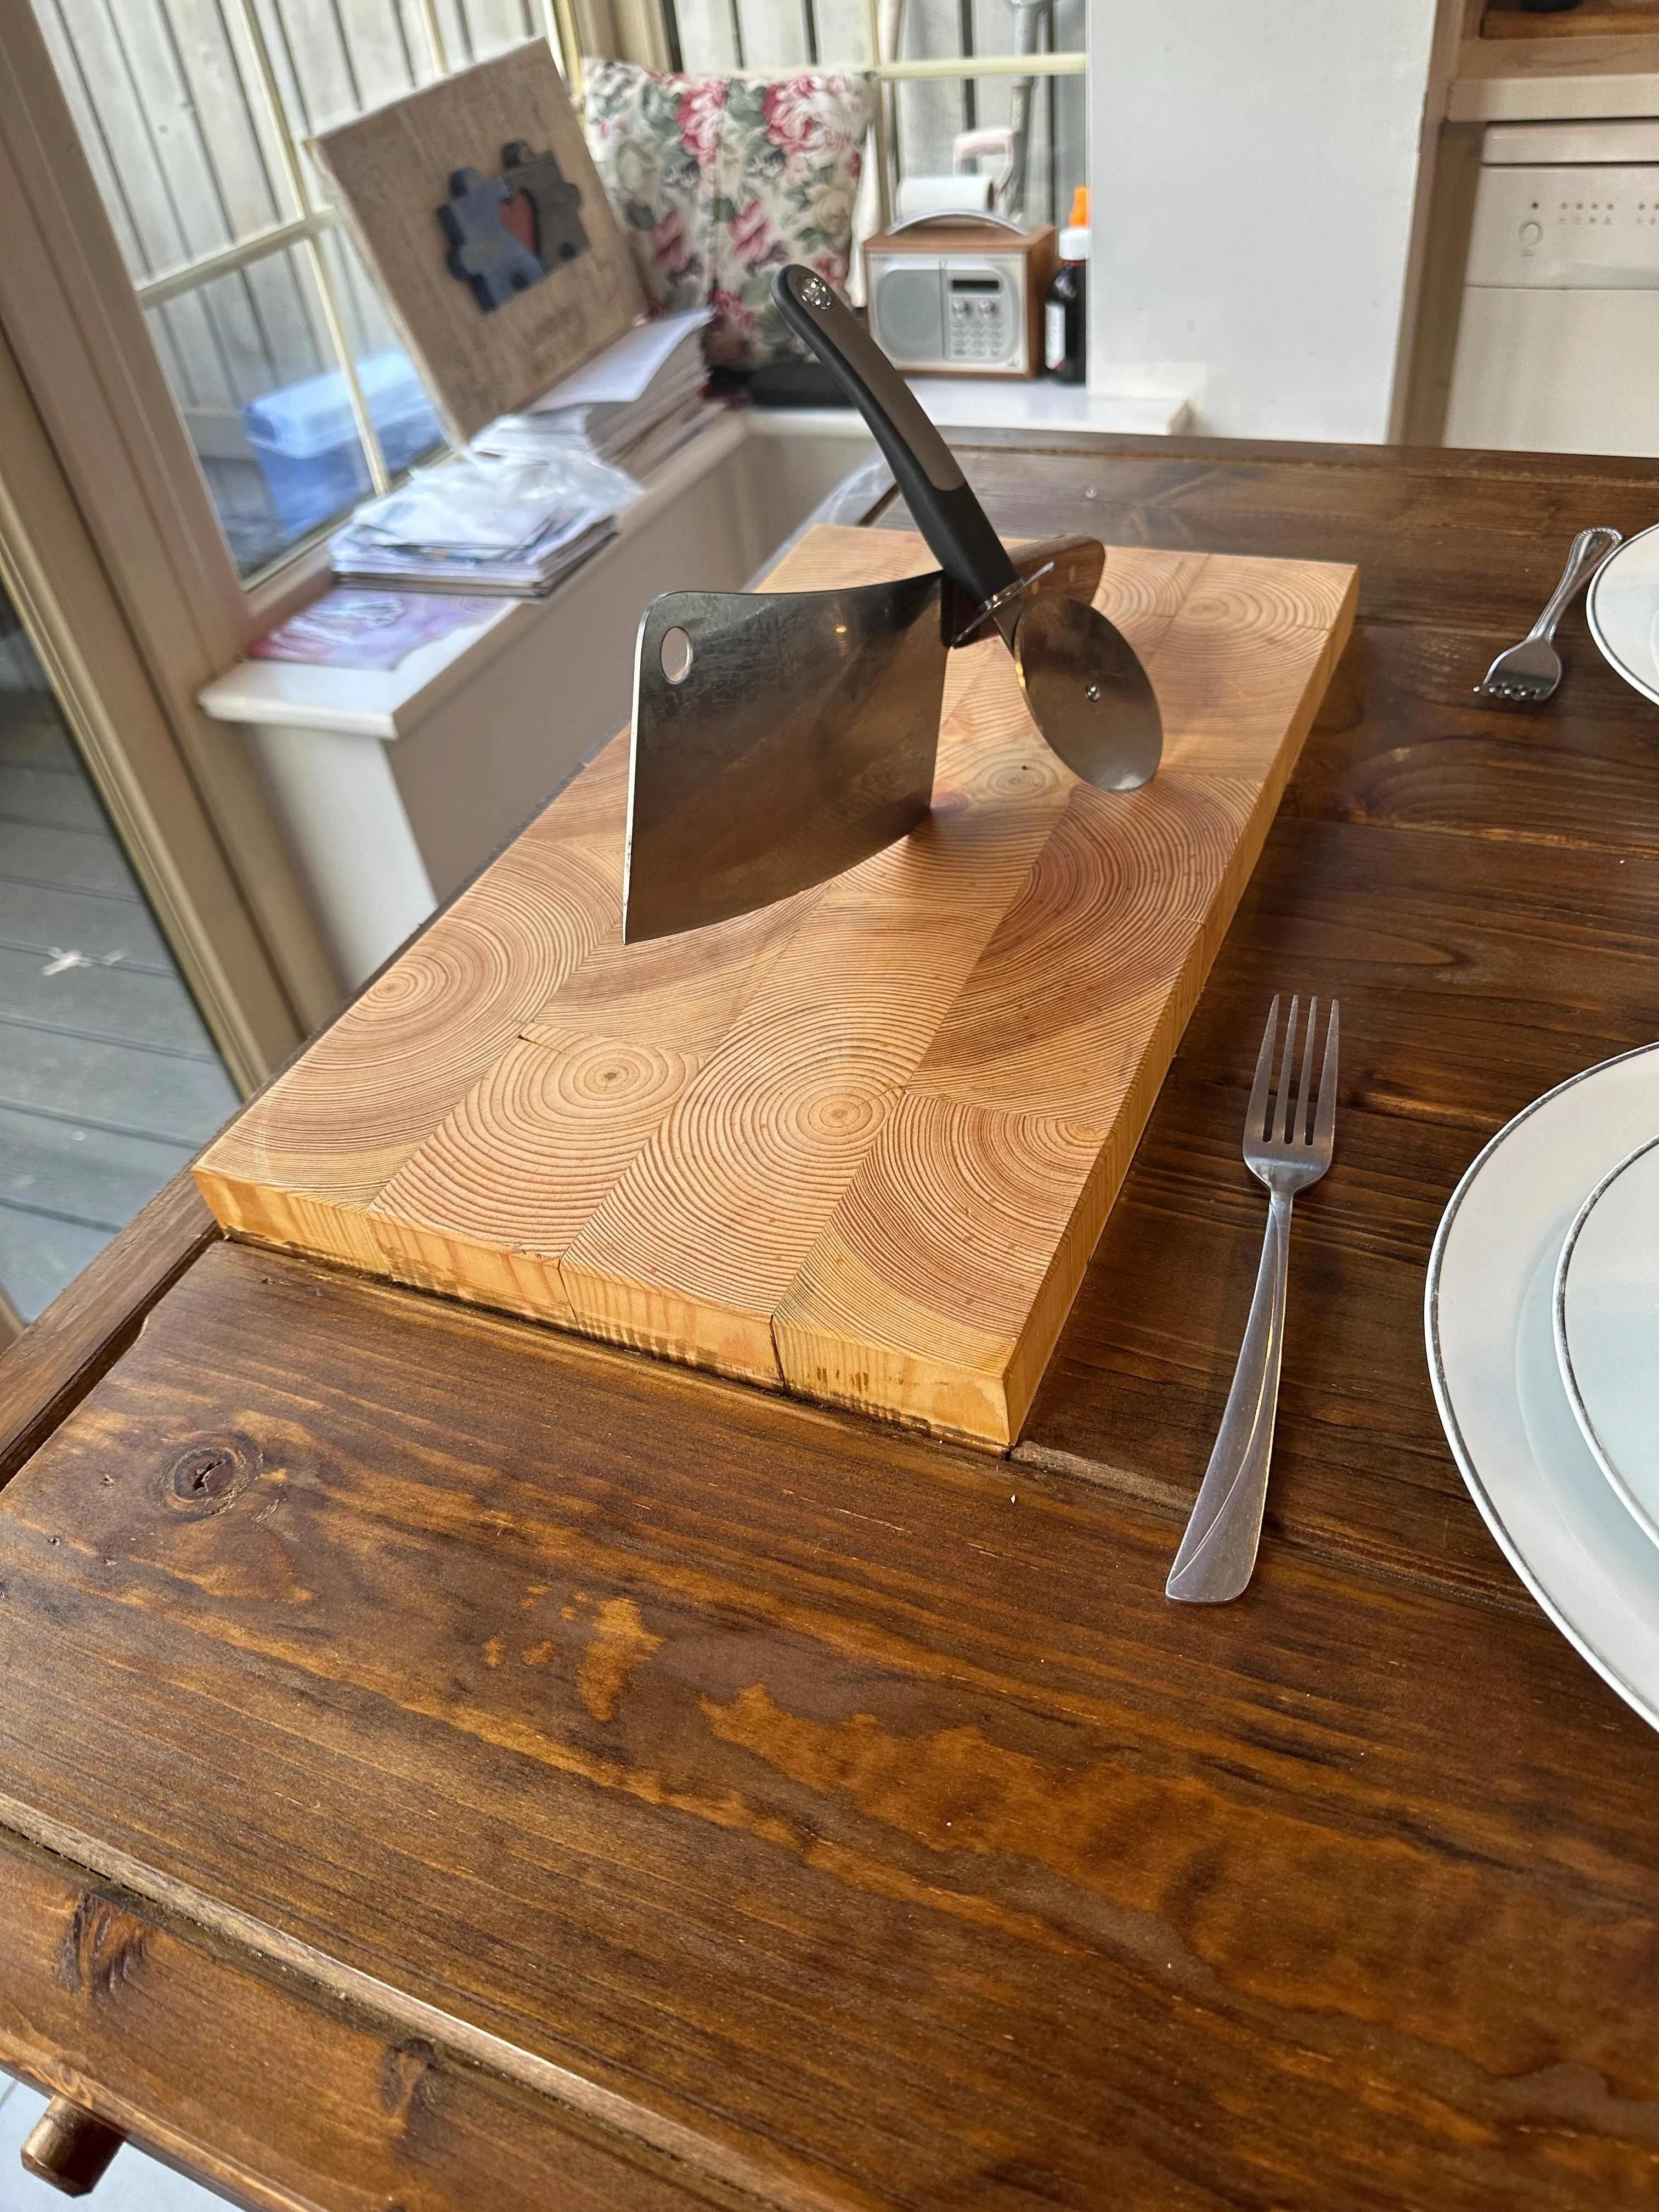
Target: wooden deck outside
<point>108,1081</point>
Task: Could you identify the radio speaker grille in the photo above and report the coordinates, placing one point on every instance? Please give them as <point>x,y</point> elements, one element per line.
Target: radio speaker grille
<point>907,308</point>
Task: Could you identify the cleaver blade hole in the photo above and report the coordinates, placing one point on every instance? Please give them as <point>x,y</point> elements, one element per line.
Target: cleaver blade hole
<point>676,655</point>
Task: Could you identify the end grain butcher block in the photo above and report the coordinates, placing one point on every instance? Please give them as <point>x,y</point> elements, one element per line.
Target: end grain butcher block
<point>858,1145</point>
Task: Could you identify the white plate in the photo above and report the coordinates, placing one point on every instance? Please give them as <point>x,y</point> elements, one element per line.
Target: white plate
<point>1489,1318</point>
<point>1605,1313</point>
<point>1624,611</point>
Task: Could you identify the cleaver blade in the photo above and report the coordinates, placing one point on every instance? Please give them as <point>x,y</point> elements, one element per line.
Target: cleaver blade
<point>779,737</point>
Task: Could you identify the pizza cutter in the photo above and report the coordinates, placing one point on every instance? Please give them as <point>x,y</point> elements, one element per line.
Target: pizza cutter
<point>1087,692</point>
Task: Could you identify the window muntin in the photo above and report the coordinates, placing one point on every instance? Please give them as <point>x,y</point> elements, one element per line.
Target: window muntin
<point>193,114</point>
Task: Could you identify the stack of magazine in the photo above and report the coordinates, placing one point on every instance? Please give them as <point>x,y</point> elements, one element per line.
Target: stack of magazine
<point>480,523</point>
<point>534,493</point>
<point>635,404</point>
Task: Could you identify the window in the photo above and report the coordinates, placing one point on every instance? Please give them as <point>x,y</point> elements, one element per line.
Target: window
<point>296,395</point>
<point>949,70</point>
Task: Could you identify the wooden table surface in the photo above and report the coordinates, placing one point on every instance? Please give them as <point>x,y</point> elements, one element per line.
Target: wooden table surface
<point>444,1764</point>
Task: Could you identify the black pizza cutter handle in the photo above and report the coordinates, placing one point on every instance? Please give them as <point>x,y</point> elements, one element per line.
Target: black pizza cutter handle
<point>957,527</point>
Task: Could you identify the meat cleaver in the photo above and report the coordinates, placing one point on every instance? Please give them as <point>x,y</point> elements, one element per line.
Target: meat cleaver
<point>781,737</point>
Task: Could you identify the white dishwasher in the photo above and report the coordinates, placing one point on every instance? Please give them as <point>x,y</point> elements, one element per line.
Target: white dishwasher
<point>1558,341</point>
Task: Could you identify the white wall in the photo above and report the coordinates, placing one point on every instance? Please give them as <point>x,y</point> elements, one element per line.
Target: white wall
<point>1253,175</point>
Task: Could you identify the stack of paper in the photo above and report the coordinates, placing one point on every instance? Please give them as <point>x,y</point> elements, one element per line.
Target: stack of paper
<point>634,405</point>
<point>485,524</point>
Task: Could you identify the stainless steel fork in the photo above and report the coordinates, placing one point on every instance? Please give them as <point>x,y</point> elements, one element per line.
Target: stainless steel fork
<point>1530,672</point>
<point>1288,1147</point>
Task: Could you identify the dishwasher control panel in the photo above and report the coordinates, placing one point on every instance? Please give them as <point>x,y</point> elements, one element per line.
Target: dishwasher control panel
<point>1563,228</point>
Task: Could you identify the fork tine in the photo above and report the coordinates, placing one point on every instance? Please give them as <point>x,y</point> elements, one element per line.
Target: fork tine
<point>1325,1121</point>
<point>1255,1114</point>
<point>1303,1121</point>
<point>1282,1103</point>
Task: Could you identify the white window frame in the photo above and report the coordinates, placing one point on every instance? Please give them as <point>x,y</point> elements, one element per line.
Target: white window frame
<point>292,574</point>
<point>110,543</point>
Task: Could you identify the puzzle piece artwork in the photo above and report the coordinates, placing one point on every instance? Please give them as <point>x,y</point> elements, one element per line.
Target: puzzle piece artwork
<point>483,250</point>
<point>483,219</point>
<point>559,233</point>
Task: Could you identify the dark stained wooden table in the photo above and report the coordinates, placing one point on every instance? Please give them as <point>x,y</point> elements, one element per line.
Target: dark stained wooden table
<point>446,1765</point>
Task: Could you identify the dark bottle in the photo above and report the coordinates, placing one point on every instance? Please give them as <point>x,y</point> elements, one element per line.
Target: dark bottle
<point>1065,311</point>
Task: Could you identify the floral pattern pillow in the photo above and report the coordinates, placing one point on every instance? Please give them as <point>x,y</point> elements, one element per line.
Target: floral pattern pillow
<point>718,181</point>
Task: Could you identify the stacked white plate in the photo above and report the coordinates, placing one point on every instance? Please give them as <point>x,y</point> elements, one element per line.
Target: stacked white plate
<point>1543,1336</point>
<point>1624,611</point>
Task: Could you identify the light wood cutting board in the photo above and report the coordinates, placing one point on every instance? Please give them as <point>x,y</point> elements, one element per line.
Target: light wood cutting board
<point>858,1145</point>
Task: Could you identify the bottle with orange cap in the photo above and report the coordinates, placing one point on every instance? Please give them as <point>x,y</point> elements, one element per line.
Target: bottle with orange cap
<point>1065,311</point>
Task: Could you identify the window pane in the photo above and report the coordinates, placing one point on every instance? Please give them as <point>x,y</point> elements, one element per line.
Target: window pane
<point>930,115</point>
<point>840,27</point>
<point>773,35</point>
<point>783,34</point>
<point>708,32</point>
<point>170,102</point>
<point>334,58</point>
<point>473,30</point>
<point>267,408</point>
<point>170,114</point>
<point>403,416</point>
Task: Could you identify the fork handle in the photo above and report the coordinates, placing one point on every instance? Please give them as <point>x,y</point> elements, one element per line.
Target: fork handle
<point>1589,550</point>
<point>1218,1552</point>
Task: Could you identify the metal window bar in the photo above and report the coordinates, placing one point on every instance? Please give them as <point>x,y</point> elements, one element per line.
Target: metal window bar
<point>435,36</point>
<point>378,475</point>
<point>976,65</point>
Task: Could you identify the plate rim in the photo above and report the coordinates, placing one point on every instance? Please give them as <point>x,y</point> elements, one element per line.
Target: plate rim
<point>1647,1707</point>
<point>1638,1513</point>
<point>1619,667</point>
